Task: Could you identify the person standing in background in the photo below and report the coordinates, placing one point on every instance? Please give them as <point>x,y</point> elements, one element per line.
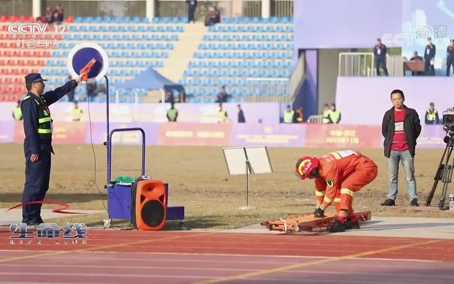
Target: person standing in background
<point>289,115</point>
<point>432,115</point>
<point>192,6</point>
<point>17,112</point>
<point>380,57</point>
<point>70,94</point>
<point>172,113</point>
<point>325,114</point>
<point>450,58</point>
<point>429,58</point>
<point>77,112</point>
<point>335,115</point>
<point>401,128</point>
<point>241,118</point>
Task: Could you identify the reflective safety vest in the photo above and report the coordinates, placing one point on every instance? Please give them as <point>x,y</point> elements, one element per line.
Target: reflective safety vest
<point>431,116</point>
<point>17,112</point>
<point>288,116</point>
<point>335,115</point>
<point>77,113</point>
<point>44,120</point>
<point>326,114</point>
<point>221,116</point>
<point>172,114</point>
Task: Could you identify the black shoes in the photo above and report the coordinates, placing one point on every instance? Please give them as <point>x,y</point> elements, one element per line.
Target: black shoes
<point>341,225</point>
<point>390,202</point>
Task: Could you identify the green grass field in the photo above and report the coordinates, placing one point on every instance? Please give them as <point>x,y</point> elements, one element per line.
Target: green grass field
<point>199,180</point>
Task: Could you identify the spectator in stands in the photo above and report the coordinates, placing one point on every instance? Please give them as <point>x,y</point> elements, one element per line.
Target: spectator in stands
<point>172,113</point>
<point>47,17</point>
<point>335,115</point>
<point>192,6</point>
<point>380,57</point>
<point>222,96</point>
<point>429,57</point>
<point>325,113</point>
<point>169,97</point>
<point>213,16</point>
<point>58,14</point>
<point>17,112</point>
<point>222,115</point>
<point>450,57</point>
<point>416,57</point>
<point>77,112</point>
<point>241,118</point>
<point>432,115</point>
<point>400,128</point>
<point>71,93</point>
<point>289,115</point>
<point>39,20</point>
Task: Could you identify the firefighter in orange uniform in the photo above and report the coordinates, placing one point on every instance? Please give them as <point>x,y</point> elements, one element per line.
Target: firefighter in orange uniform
<point>338,175</point>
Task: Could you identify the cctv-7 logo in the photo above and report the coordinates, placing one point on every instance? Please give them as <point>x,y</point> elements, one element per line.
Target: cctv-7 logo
<point>79,229</point>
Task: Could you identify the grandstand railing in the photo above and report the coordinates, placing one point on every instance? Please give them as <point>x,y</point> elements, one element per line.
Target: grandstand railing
<point>228,8</point>
<point>163,8</point>
<point>298,76</point>
<point>315,119</point>
<point>356,64</point>
<point>361,64</point>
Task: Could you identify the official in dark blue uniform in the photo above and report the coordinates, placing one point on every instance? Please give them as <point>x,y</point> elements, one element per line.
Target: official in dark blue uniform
<point>450,57</point>
<point>380,51</point>
<point>38,142</point>
<point>429,57</point>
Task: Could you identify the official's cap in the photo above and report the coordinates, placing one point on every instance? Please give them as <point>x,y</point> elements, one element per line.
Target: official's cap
<point>33,78</point>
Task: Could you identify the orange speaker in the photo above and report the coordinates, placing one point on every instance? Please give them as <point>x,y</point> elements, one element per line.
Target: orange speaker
<point>149,206</point>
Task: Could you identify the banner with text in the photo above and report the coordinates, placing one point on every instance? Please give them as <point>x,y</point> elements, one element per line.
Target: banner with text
<point>343,136</point>
<point>272,135</point>
<point>194,134</point>
<point>225,134</point>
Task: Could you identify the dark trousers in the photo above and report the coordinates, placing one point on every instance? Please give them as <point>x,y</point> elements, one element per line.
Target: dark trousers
<point>191,13</point>
<point>381,62</point>
<point>37,177</point>
<point>449,63</point>
<point>429,69</point>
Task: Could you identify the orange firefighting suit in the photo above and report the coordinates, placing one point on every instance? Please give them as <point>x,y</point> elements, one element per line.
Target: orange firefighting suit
<point>341,174</point>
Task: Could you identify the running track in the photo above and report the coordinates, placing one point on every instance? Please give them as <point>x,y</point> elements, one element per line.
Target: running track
<point>112,257</point>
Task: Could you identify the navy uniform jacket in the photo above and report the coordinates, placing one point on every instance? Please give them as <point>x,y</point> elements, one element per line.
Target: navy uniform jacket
<point>29,108</point>
<point>430,52</point>
<point>383,50</point>
<point>450,52</point>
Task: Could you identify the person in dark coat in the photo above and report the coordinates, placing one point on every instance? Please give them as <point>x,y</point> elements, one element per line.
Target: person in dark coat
<point>401,128</point>
<point>429,57</point>
<point>380,57</point>
<point>38,142</point>
<point>192,6</point>
<point>450,57</point>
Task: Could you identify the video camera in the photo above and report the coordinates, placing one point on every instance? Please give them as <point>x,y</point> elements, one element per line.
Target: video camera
<point>448,121</point>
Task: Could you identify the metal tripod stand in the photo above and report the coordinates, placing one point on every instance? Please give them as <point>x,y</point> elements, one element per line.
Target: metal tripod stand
<point>444,173</point>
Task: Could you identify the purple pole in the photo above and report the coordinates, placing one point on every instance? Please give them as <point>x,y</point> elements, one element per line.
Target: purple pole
<point>107,143</point>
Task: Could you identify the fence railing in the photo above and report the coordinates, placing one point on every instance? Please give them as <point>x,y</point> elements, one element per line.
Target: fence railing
<point>362,64</point>
<point>163,8</point>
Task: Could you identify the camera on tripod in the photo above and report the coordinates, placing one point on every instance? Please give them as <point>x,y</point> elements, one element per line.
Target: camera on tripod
<point>446,167</point>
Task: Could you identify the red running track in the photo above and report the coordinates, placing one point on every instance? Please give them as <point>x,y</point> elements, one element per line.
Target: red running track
<point>202,257</point>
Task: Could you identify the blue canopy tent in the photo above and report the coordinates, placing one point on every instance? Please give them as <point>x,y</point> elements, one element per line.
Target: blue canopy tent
<point>150,79</point>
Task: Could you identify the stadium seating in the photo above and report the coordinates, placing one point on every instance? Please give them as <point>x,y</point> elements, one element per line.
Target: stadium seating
<point>249,56</point>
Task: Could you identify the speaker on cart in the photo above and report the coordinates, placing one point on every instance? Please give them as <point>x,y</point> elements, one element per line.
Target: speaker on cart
<point>149,206</point>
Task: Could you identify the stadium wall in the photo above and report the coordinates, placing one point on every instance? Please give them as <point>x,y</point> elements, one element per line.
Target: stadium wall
<point>226,134</point>
<point>364,100</point>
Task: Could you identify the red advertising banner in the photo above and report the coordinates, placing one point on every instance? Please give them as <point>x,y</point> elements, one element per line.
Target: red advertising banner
<point>194,134</point>
<point>343,136</point>
<point>64,132</point>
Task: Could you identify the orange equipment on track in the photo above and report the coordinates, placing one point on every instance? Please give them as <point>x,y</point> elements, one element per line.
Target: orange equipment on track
<point>307,223</point>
